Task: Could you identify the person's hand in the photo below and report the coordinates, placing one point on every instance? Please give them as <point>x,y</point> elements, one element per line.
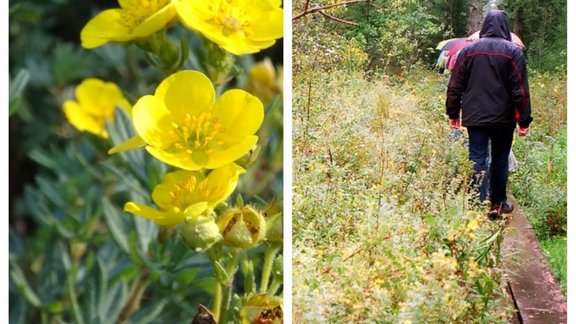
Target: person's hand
<point>523,131</point>
<point>455,123</point>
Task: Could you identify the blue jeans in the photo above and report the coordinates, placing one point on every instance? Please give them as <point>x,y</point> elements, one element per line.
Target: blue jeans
<point>500,138</point>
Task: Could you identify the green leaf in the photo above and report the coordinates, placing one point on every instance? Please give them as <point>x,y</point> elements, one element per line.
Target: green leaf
<point>17,309</point>
<point>148,314</point>
<point>132,184</point>
<point>70,63</point>
<point>43,158</point>
<point>187,275</point>
<point>248,271</point>
<point>146,231</point>
<point>95,306</point>
<point>16,88</point>
<point>19,280</point>
<point>115,300</point>
<point>122,130</point>
<point>221,273</point>
<point>50,191</point>
<point>113,219</point>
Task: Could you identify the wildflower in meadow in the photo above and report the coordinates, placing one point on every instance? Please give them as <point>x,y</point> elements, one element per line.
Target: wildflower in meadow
<point>238,26</point>
<point>135,19</point>
<point>185,195</point>
<point>96,102</point>
<point>183,124</point>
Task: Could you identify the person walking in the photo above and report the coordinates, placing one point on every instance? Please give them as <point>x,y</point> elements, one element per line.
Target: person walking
<point>489,86</point>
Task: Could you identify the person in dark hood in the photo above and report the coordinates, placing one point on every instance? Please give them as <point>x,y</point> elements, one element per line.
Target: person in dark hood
<point>489,86</point>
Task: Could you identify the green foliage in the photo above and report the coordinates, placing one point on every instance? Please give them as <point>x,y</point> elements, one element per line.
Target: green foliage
<point>540,183</point>
<point>555,250</point>
<point>543,29</point>
<point>381,225</point>
<point>74,255</point>
<point>395,34</point>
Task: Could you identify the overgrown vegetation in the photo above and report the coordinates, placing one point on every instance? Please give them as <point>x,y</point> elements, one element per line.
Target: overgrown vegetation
<point>382,228</point>
<point>540,183</point>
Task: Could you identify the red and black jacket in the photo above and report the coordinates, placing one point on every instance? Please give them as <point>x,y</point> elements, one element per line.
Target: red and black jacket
<point>489,81</point>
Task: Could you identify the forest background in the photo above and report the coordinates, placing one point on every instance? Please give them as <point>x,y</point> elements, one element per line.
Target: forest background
<point>382,229</point>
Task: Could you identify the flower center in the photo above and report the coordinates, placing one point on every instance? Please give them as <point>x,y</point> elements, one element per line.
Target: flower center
<point>228,16</point>
<point>230,25</point>
<point>198,135</point>
<point>187,192</point>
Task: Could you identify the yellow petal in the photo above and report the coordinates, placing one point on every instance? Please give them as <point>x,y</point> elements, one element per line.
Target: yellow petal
<point>99,98</point>
<point>105,27</point>
<point>231,154</point>
<point>130,144</point>
<point>156,21</point>
<point>78,117</point>
<point>196,209</point>
<point>239,113</point>
<point>267,25</point>
<point>180,160</point>
<point>221,183</point>
<point>186,92</point>
<point>153,122</point>
<point>168,218</point>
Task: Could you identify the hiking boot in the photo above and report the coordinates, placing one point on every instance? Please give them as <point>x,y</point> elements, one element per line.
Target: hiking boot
<point>497,210</point>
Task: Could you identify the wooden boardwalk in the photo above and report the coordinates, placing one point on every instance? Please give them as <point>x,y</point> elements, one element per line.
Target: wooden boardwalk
<point>536,294</point>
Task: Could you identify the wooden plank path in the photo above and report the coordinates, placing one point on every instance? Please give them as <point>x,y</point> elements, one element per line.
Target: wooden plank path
<point>536,294</point>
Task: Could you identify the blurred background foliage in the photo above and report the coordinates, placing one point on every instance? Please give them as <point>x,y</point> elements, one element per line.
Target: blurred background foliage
<point>394,35</point>
<point>74,255</point>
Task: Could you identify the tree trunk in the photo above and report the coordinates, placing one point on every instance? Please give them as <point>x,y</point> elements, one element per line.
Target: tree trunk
<point>517,22</point>
<point>475,17</point>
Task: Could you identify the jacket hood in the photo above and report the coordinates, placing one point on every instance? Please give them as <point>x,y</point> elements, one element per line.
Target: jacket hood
<point>496,25</point>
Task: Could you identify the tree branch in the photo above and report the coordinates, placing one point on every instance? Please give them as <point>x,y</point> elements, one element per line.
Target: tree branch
<point>340,20</point>
<point>320,8</point>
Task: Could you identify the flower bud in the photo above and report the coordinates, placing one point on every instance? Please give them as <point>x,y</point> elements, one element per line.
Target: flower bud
<point>242,228</point>
<point>274,225</point>
<point>262,309</point>
<point>200,232</point>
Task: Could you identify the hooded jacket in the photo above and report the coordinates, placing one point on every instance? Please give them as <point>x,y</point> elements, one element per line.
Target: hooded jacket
<point>489,81</point>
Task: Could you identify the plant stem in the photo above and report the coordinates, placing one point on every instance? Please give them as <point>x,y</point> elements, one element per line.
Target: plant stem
<point>267,267</point>
<point>71,280</point>
<point>274,287</point>
<point>135,297</point>
<point>217,303</point>
<point>231,267</point>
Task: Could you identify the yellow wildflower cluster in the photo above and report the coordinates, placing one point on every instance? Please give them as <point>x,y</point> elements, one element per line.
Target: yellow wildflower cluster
<point>238,26</point>
<point>184,125</point>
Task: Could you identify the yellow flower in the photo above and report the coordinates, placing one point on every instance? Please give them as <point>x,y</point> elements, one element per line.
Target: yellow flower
<point>238,26</point>
<point>183,125</point>
<point>136,19</point>
<point>185,194</point>
<point>96,103</point>
<point>263,82</point>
